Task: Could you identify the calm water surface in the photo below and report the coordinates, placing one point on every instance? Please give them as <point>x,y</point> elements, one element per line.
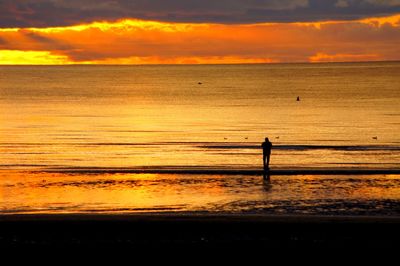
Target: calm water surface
<point>68,117</point>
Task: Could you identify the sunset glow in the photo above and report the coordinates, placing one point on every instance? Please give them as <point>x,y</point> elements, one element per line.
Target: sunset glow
<point>153,124</point>
<point>133,41</point>
<point>16,57</point>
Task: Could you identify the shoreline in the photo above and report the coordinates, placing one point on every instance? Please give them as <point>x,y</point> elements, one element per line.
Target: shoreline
<point>194,170</point>
<point>200,216</point>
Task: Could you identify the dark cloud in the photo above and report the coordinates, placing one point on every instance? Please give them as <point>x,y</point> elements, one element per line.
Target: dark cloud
<point>2,42</point>
<point>36,37</point>
<point>44,13</point>
<point>45,41</point>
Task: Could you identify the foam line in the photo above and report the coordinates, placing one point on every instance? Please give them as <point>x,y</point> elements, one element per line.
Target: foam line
<point>214,171</point>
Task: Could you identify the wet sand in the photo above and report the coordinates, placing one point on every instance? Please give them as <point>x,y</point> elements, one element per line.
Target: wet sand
<point>174,230</point>
<point>202,170</point>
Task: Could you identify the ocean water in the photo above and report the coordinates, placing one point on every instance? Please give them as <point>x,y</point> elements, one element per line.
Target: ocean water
<point>57,120</point>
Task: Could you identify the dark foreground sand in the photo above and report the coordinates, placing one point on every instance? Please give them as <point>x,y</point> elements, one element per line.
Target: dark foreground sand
<point>198,230</point>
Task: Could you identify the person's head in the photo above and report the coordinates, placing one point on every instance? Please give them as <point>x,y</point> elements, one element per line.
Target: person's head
<point>266,140</point>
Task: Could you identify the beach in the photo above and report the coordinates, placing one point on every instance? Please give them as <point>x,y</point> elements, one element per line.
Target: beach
<point>267,128</point>
<point>170,155</point>
<point>199,230</point>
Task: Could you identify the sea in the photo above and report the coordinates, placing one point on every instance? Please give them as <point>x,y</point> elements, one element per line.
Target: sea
<point>187,139</point>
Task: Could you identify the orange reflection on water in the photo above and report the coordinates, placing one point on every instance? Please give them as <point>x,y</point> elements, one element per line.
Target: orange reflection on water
<point>54,192</point>
<point>120,193</point>
<point>378,189</point>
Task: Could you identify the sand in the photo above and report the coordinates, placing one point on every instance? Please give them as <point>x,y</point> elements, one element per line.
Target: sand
<point>174,230</point>
<point>199,170</point>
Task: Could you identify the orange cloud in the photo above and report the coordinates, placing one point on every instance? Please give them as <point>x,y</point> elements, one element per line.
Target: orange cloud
<point>149,42</point>
<point>321,57</point>
<point>184,60</point>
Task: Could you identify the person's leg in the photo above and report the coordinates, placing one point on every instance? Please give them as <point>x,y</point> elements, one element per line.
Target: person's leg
<point>264,157</point>
<point>265,167</point>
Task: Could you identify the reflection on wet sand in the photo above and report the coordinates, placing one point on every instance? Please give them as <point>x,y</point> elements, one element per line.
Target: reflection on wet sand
<point>29,192</point>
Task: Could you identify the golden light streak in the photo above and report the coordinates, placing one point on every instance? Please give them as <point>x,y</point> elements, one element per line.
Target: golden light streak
<point>184,60</point>
<point>15,57</point>
<point>322,57</point>
<point>132,24</point>
<point>121,25</point>
<point>374,21</point>
<point>380,21</point>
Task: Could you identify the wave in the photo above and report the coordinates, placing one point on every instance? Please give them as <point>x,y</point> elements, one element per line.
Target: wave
<point>190,170</point>
<point>221,145</point>
<point>311,147</point>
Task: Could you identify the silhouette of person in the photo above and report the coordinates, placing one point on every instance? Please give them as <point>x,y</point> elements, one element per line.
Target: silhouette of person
<point>266,146</point>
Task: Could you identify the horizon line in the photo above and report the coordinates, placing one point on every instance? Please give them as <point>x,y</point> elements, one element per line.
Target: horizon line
<point>211,64</point>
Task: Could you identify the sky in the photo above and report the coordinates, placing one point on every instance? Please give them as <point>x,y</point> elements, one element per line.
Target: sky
<point>198,31</point>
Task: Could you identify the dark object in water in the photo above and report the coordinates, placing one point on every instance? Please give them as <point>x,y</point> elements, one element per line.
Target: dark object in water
<point>199,83</point>
<point>298,98</point>
<point>375,138</point>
